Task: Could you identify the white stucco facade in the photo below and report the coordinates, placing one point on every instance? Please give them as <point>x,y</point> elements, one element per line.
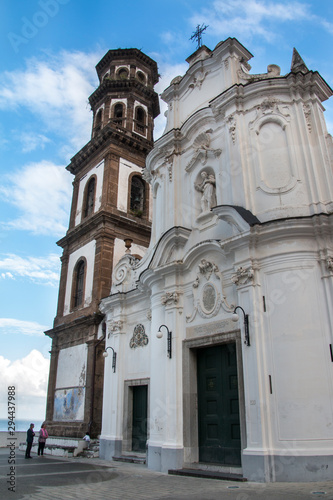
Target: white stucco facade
<point>259,237</point>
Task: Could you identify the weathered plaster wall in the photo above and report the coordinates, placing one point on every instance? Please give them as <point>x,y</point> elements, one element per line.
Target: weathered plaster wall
<point>70,384</point>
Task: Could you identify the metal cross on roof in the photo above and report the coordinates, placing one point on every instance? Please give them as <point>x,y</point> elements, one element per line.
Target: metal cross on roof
<point>197,34</point>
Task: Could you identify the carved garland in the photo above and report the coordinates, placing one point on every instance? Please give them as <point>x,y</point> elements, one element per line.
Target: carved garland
<point>170,298</point>
<point>243,276</point>
<point>202,150</point>
<point>114,327</point>
<point>329,264</point>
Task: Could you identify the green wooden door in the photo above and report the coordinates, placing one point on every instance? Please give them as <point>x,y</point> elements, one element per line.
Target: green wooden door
<point>139,423</point>
<point>218,405</point>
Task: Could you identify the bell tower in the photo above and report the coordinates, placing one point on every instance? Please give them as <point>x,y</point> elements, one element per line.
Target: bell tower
<point>111,204</point>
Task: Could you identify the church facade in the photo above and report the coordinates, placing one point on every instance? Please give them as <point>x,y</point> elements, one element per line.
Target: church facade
<point>220,335</point>
<point>111,211</point>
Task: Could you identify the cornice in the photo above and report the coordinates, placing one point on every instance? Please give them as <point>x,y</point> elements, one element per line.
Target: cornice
<point>102,224</point>
<point>131,53</point>
<point>311,82</point>
<point>279,230</point>
<point>110,134</point>
<point>115,85</point>
<point>86,320</point>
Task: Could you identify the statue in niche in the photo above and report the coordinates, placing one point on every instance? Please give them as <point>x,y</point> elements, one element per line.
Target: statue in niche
<point>207,188</point>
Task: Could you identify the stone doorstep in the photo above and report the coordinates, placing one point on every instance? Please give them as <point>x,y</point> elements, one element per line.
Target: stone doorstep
<point>229,469</point>
<point>208,474</point>
<point>139,458</point>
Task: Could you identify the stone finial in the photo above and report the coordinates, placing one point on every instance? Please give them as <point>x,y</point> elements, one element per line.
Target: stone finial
<point>128,244</point>
<point>297,63</point>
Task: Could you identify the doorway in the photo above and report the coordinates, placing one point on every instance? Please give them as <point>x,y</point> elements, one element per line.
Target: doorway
<point>218,405</point>
<point>139,420</point>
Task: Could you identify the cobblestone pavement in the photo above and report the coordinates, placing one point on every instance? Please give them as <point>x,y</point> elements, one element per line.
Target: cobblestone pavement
<point>47,478</point>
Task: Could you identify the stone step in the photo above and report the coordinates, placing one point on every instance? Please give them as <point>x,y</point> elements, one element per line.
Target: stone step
<point>131,459</point>
<point>89,453</point>
<point>208,474</point>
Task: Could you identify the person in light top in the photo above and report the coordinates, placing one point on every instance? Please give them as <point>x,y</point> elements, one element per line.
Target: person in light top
<point>87,439</point>
<point>43,435</point>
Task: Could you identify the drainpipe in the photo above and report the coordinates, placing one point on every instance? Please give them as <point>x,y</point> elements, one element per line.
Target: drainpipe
<point>93,378</point>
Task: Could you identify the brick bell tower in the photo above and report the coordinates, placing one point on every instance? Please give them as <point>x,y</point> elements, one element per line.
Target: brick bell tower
<point>111,205</point>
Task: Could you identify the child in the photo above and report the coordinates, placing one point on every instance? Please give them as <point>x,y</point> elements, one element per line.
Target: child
<point>87,439</point>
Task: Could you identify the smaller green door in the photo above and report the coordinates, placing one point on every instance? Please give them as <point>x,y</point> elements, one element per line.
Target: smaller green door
<point>218,406</point>
<point>139,422</point>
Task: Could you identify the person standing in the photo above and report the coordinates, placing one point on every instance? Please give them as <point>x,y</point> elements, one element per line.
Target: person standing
<point>43,435</point>
<point>30,440</point>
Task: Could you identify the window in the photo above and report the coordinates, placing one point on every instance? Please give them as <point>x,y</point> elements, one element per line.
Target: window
<point>118,113</point>
<point>122,73</point>
<point>141,77</point>
<point>89,198</point>
<point>140,119</point>
<point>98,120</point>
<point>137,199</point>
<point>78,282</point>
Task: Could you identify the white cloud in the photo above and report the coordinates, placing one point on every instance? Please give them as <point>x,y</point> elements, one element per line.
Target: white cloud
<point>14,326</point>
<point>41,270</point>
<point>249,18</point>
<point>29,376</point>
<point>6,275</point>
<point>31,141</point>
<point>57,90</point>
<point>42,192</point>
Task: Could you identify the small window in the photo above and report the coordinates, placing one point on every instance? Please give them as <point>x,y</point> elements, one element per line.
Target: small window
<point>90,198</point>
<point>141,77</point>
<point>78,284</point>
<point>123,73</point>
<point>98,120</point>
<point>140,119</point>
<point>118,113</point>
<point>137,196</point>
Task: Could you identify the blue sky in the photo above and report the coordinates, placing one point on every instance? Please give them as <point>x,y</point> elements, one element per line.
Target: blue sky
<point>48,53</point>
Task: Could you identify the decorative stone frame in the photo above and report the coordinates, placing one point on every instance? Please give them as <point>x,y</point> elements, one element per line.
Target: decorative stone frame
<point>120,70</point>
<point>74,284</point>
<point>85,197</point>
<point>98,122</point>
<point>128,411</point>
<point>140,127</point>
<point>142,79</point>
<point>145,212</point>
<point>119,121</point>
<point>190,388</point>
